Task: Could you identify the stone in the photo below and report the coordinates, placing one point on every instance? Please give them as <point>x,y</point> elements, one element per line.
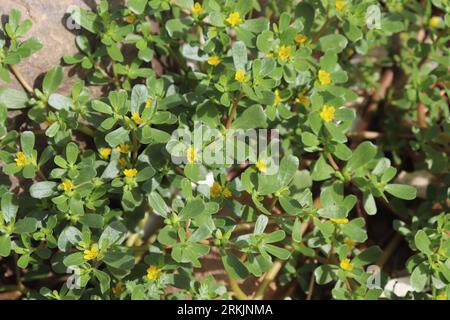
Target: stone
<point>52,26</point>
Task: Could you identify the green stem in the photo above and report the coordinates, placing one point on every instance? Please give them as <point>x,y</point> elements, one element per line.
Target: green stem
<point>322,29</point>
<point>116,76</point>
<point>270,276</point>
<point>233,111</point>
<point>135,146</point>
<point>23,82</point>
<point>236,289</point>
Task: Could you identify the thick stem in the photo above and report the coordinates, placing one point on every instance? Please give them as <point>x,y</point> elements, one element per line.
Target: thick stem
<point>41,175</point>
<point>311,287</point>
<point>270,276</point>
<point>322,29</point>
<point>236,289</point>
<point>23,82</point>
<point>421,115</point>
<point>332,162</point>
<point>389,250</point>
<point>273,272</point>
<point>135,146</point>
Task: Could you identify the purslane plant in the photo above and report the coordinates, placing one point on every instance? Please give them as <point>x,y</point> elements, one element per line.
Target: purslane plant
<point>100,198</point>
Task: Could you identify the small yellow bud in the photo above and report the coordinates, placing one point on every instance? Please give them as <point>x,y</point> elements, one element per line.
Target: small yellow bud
<point>191,154</point>
<point>136,118</point>
<point>234,19</point>
<point>239,76</point>
<point>67,185</point>
<point>434,22</point>
<point>340,4</point>
<point>300,38</point>
<point>197,8</point>
<point>327,113</point>
<point>278,99</point>
<point>131,18</point>
<point>339,221</point>
<point>226,193</point>
<point>324,78</point>
<point>92,253</point>
<point>21,160</point>
<point>215,190</point>
<point>117,290</point>
<point>442,296</point>
<point>49,120</point>
<point>349,243</point>
<point>123,162</point>
<point>284,52</point>
<point>148,103</point>
<point>302,99</point>
<point>130,173</point>
<point>346,265</point>
<point>123,148</point>
<point>153,273</point>
<point>105,152</point>
<point>261,166</point>
<point>214,60</point>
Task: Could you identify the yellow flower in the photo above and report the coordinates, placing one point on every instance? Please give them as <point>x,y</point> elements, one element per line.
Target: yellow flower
<point>191,154</point>
<point>136,118</point>
<point>442,296</point>
<point>324,77</point>
<point>49,120</point>
<point>340,221</point>
<point>67,185</point>
<point>300,38</point>
<point>123,148</point>
<point>214,60</point>
<point>284,52</point>
<point>226,193</point>
<point>153,273</point>
<point>434,22</point>
<point>261,166</point>
<point>117,290</point>
<point>349,52</point>
<point>130,18</point>
<point>346,265</point>
<point>234,19</point>
<point>92,253</point>
<point>278,99</point>
<point>340,4</point>
<point>327,113</point>
<point>148,103</point>
<point>21,160</point>
<point>130,173</point>
<point>239,76</point>
<point>197,8</point>
<point>302,99</point>
<point>105,152</point>
<point>349,243</point>
<point>123,162</point>
<point>215,190</point>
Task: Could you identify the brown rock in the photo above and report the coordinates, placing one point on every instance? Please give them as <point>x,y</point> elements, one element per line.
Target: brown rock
<point>52,27</point>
